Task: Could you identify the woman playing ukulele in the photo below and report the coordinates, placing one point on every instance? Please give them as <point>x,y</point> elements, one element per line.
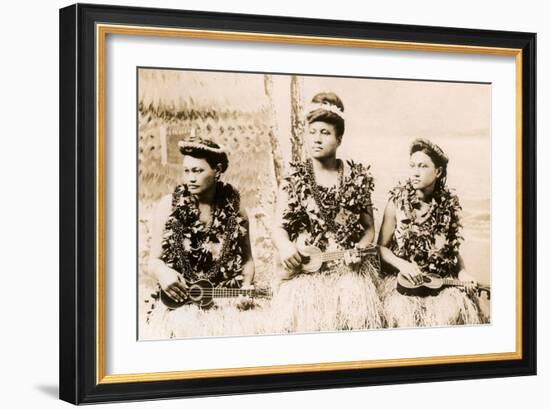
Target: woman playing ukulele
<point>420,234</point>
<point>325,202</point>
<point>199,232</point>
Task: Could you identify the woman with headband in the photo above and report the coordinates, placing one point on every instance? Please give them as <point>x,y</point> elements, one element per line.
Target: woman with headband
<point>421,234</point>
<point>200,232</point>
<point>326,203</point>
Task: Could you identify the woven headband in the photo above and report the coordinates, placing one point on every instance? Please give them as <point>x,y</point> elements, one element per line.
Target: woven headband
<point>314,106</point>
<point>200,145</point>
<point>431,146</point>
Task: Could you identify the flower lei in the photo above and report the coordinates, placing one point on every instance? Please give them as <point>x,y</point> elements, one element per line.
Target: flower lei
<point>432,241</point>
<point>186,244</point>
<point>342,204</point>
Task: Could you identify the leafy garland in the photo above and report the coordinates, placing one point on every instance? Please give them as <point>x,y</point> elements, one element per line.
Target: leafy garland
<point>187,242</point>
<point>431,241</point>
<point>343,204</point>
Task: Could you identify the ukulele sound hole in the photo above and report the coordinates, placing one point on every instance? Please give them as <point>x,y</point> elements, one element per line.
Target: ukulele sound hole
<point>195,292</point>
<point>306,259</point>
<point>427,280</point>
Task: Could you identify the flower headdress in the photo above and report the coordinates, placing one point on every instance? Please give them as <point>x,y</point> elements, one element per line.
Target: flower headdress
<point>435,149</point>
<point>197,143</point>
<point>314,106</point>
<point>206,147</point>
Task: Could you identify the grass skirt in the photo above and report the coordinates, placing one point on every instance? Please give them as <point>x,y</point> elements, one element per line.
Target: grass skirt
<point>451,306</point>
<point>229,317</point>
<point>339,299</point>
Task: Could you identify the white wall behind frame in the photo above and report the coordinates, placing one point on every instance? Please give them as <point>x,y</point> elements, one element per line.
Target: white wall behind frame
<point>29,169</point>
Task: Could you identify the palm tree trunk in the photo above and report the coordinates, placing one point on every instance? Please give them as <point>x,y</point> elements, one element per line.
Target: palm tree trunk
<point>296,113</point>
<point>274,131</point>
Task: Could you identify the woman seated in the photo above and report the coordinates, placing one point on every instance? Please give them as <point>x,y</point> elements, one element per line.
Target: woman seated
<point>325,202</point>
<point>421,234</point>
<point>199,232</point>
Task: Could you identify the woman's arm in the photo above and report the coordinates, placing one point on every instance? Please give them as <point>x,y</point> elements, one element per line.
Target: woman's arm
<point>367,221</point>
<point>463,275</point>
<point>288,253</point>
<point>387,230</point>
<point>248,267</point>
<point>385,236</point>
<point>167,277</point>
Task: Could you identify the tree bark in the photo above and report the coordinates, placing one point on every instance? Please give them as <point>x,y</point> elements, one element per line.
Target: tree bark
<point>297,123</point>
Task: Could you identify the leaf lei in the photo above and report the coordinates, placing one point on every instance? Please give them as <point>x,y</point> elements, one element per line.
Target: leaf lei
<point>343,204</point>
<point>187,242</point>
<point>433,241</point>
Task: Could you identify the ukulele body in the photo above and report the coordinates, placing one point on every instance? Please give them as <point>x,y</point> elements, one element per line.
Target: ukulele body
<point>203,293</point>
<point>199,293</point>
<point>431,285</point>
<point>311,259</point>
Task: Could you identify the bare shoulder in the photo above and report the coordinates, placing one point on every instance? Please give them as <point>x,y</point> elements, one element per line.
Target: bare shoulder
<point>390,208</point>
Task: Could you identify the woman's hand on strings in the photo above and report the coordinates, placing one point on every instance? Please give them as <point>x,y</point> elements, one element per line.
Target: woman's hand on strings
<point>246,302</point>
<point>177,291</point>
<point>290,256</point>
<point>247,287</point>
<point>352,259</point>
<point>471,285</point>
<point>471,288</point>
<point>411,272</point>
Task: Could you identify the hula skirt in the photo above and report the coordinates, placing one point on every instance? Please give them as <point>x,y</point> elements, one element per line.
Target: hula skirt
<point>337,299</point>
<point>451,306</point>
<point>229,317</point>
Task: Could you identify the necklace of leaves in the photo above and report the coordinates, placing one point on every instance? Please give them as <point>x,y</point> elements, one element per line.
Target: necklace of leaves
<point>416,242</point>
<point>415,204</point>
<point>317,195</point>
<point>214,269</point>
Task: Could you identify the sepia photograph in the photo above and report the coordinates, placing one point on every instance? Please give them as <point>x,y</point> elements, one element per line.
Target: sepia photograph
<point>293,203</point>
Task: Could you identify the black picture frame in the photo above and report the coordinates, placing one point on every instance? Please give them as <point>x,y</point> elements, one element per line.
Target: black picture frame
<point>79,380</point>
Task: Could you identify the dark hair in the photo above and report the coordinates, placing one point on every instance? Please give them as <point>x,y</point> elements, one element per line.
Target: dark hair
<point>207,150</point>
<point>322,115</point>
<point>436,154</point>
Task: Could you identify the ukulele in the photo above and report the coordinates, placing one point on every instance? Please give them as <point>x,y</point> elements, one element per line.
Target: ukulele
<point>203,293</point>
<point>432,284</point>
<point>313,258</point>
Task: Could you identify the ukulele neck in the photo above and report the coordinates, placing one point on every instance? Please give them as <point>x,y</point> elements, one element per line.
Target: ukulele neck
<point>457,283</point>
<point>452,282</point>
<point>339,254</point>
<point>220,292</point>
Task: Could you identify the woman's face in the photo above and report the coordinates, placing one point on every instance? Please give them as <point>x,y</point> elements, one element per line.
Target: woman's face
<point>422,170</point>
<point>198,175</point>
<point>321,140</point>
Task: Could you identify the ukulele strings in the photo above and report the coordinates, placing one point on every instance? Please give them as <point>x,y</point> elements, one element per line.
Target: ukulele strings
<point>229,292</point>
<point>334,255</point>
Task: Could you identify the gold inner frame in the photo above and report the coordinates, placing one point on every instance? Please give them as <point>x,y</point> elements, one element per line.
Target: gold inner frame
<point>101,33</point>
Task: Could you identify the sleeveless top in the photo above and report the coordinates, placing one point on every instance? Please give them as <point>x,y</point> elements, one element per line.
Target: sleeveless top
<point>326,217</point>
<point>214,252</point>
<point>432,240</point>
